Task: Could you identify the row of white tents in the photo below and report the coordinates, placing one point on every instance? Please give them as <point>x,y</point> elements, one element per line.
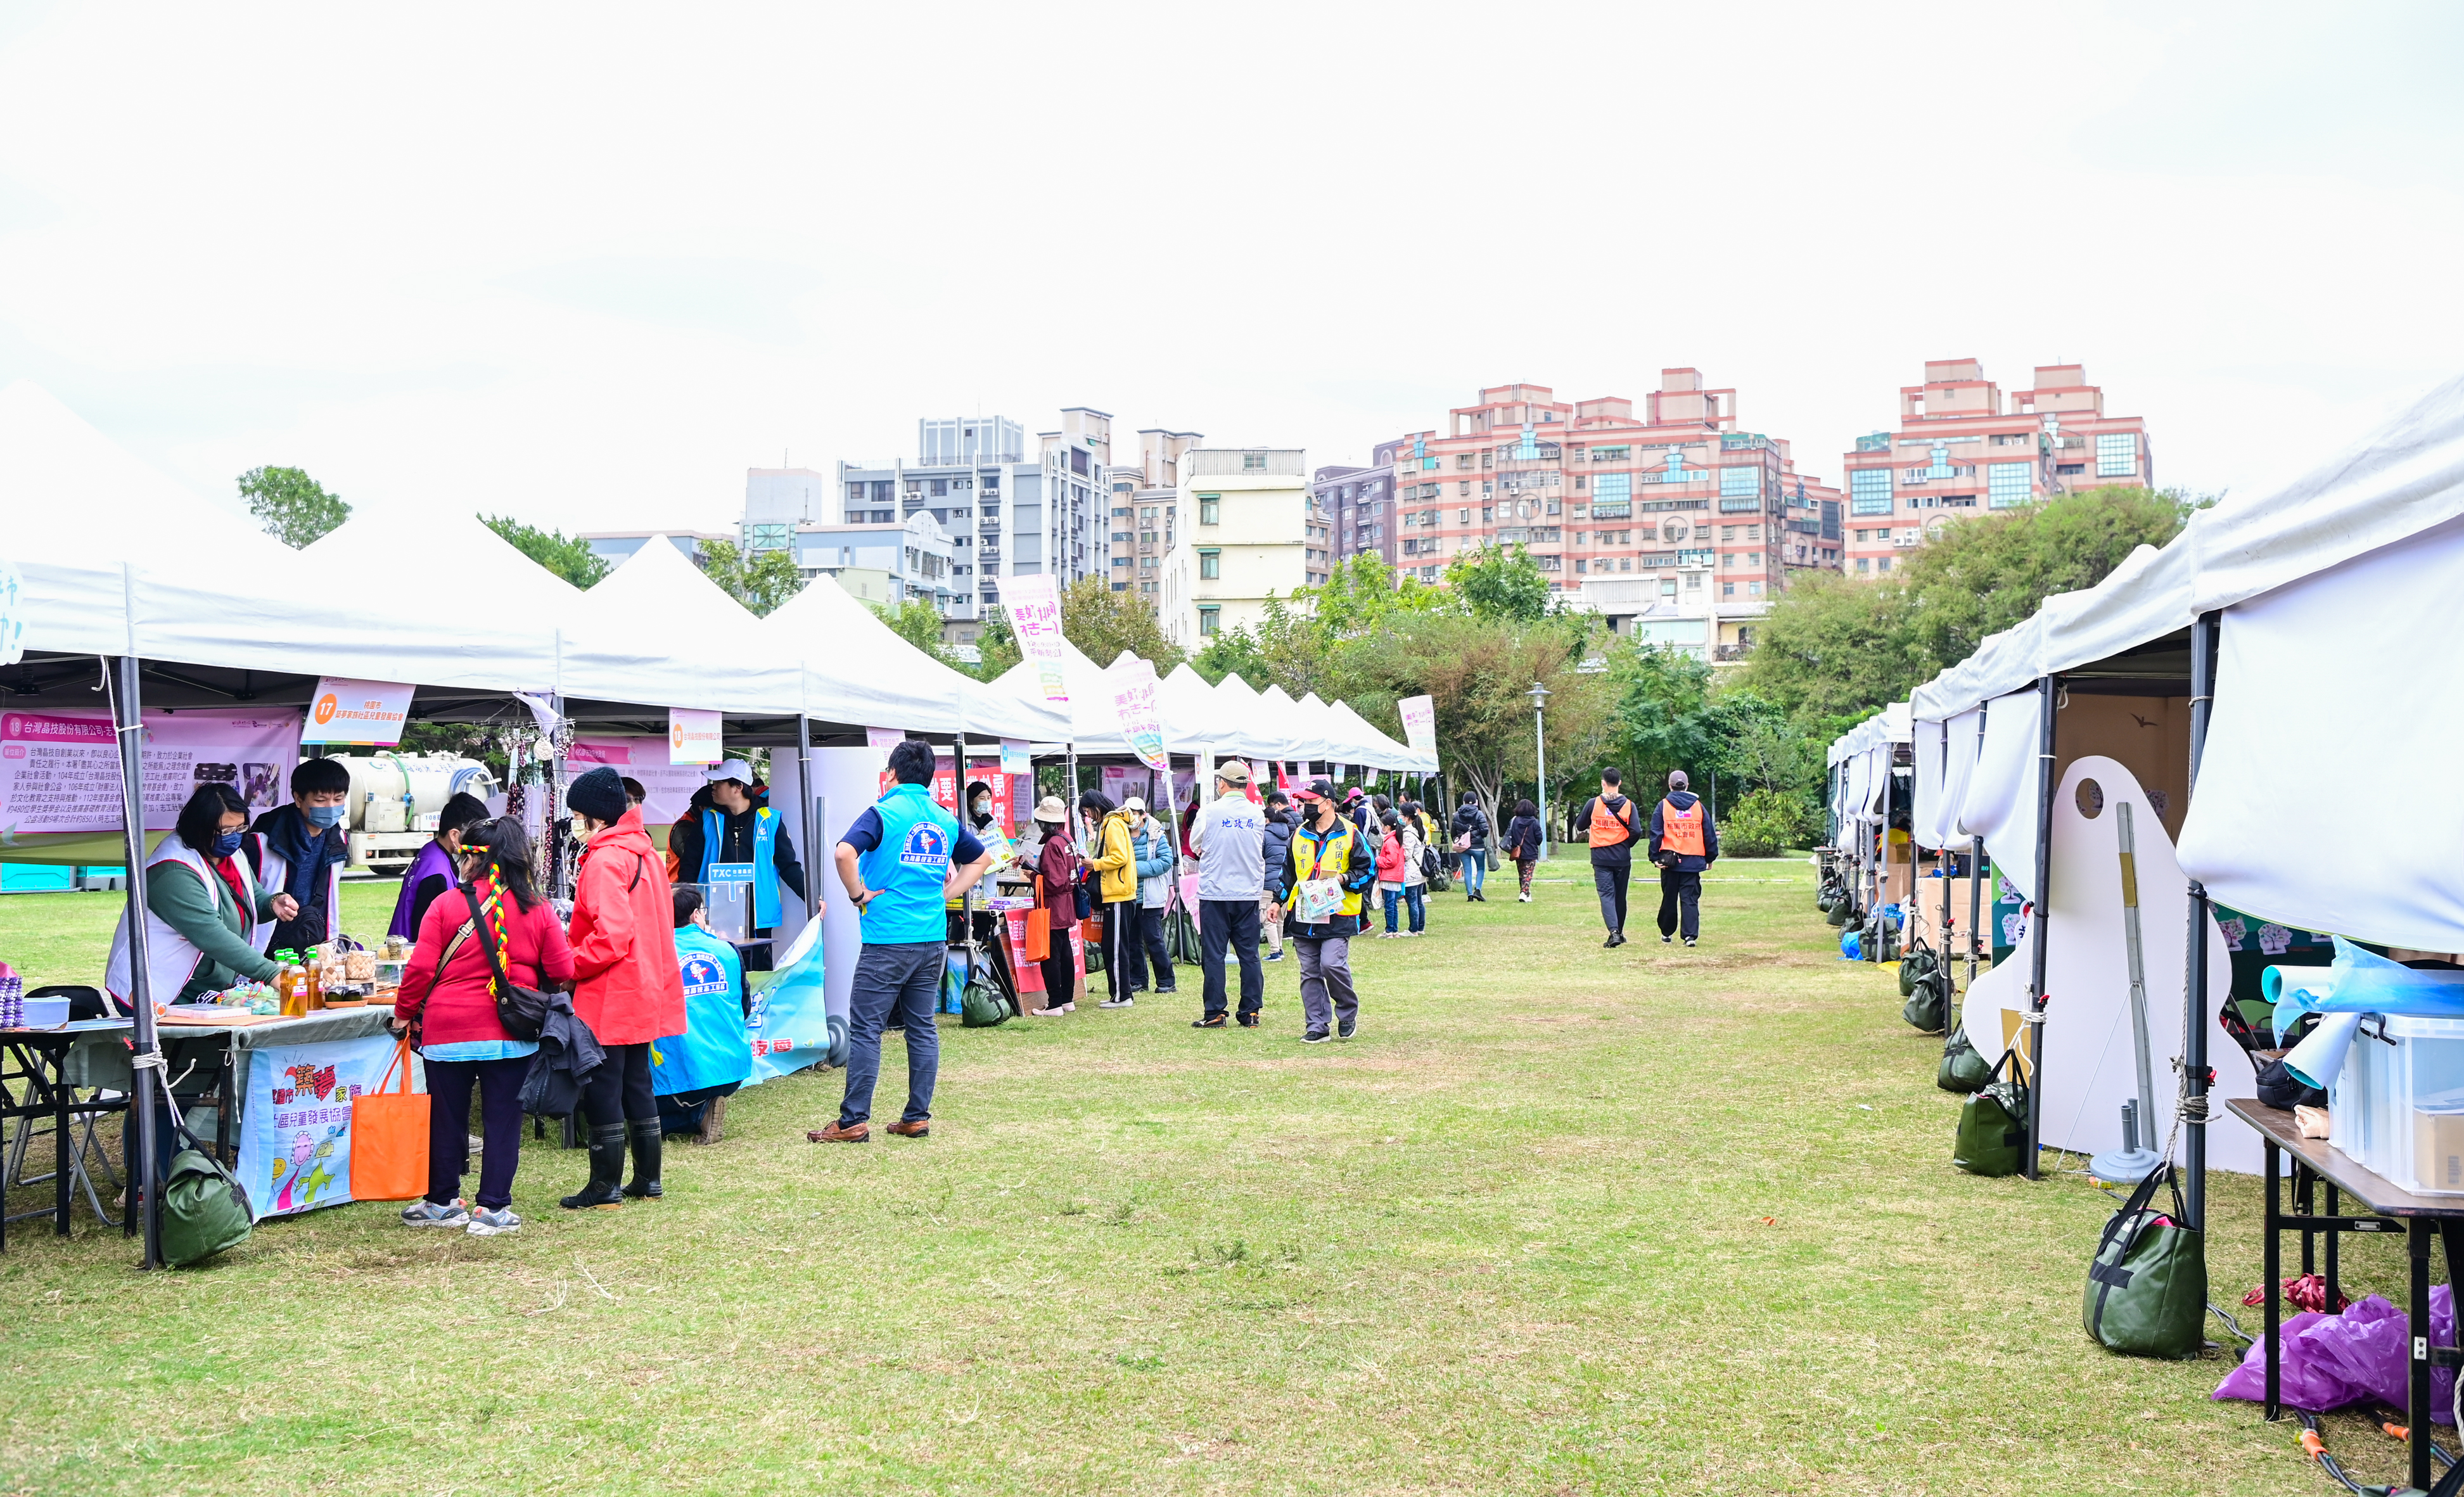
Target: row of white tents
<point>2278,693</point>
<point>119,560</point>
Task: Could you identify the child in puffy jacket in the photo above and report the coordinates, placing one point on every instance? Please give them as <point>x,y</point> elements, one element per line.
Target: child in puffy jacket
<point>1397,853</point>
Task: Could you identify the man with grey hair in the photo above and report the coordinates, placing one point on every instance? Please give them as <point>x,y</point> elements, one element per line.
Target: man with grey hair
<point>1683,843</point>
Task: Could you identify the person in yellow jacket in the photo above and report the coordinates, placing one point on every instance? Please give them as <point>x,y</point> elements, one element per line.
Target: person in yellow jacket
<point>1114,860</point>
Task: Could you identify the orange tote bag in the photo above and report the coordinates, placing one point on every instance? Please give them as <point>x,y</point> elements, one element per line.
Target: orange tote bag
<point>389,1136</point>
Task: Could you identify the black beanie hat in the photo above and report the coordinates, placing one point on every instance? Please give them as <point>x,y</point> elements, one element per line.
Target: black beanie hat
<point>599,794</point>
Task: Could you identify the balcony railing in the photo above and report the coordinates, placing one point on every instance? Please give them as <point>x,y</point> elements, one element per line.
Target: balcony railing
<point>1732,651</point>
<point>1235,463</point>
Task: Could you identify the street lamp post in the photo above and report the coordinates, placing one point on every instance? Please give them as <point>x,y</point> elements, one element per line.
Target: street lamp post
<point>1539,695</point>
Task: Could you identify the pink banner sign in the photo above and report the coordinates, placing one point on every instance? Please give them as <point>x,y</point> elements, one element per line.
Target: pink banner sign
<point>644,759</point>
<point>59,772</point>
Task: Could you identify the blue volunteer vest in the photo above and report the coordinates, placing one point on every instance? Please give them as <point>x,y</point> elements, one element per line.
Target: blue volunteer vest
<point>713,1050</point>
<point>765,866</point>
<point>911,867</point>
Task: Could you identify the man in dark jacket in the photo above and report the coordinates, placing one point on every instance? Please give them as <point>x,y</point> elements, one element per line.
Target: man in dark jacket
<point>742,815</point>
<point>299,849</point>
<point>1471,821</point>
<point>1608,819</point>
<point>1326,844</point>
<point>1276,851</point>
<point>1683,843</point>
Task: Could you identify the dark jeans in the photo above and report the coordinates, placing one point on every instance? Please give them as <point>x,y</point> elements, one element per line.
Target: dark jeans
<point>1120,948</point>
<point>500,1125</point>
<point>1611,879</point>
<point>1414,895</point>
<point>1680,902</point>
<point>900,980</point>
<point>1233,922</point>
<point>619,1090</point>
<point>1148,949</point>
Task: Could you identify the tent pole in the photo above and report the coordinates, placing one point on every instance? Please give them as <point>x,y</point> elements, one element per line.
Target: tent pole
<point>811,826</point>
<point>148,1060</point>
<point>2195,1074</point>
<point>1975,875</point>
<point>2037,927</point>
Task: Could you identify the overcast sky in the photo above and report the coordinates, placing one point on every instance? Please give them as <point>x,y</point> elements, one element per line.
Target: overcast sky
<point>586,264</point>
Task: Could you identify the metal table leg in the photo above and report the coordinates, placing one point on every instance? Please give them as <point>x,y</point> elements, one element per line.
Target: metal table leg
<point>2416,1409</point>
<point>2334,1279</point>
<point>2305,1198</point>
<point>60,1148</point>
<point>2273,1408</point>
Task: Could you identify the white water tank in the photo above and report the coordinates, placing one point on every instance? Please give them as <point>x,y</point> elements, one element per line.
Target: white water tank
<point>394,792</point>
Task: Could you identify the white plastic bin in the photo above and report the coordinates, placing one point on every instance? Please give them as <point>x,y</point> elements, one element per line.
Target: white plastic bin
<point>2398,1106</point>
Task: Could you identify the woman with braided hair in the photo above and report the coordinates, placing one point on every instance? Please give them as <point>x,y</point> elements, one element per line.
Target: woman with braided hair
<point>448,1001</point>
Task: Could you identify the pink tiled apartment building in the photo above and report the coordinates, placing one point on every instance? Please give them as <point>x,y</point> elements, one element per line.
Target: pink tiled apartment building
<point>1678,494</point>
<point>1957,451</point>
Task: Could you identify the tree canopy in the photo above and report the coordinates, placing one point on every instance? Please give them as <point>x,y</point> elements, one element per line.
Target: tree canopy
<point>293,508</point>
<point>1103,623</point>
<point>760,581</point>
<point>568,557</point>
<point>918,622</point>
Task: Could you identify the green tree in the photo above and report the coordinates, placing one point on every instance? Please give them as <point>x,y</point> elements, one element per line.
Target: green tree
<point>1234,651</point>
<point>1498,583</point>
<point>568,557</point>
<point>918,622</point>
<point>1103,623</point>
<point>293,508</point>
<point>760,581</point>
<point>1832,648</point>
<point>996,650</point>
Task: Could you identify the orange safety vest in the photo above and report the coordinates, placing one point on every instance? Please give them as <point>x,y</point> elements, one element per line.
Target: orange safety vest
<point>1681,831</point>
<point>1608,829</point>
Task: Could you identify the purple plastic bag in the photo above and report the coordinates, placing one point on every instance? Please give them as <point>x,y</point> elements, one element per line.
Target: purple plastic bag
<point>2333,1360</point>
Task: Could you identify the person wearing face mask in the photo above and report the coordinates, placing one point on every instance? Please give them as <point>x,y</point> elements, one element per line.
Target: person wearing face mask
<point>300,849</point>
<point>739,829</point>
<point>1327,846</point>
<point>208,921</point>
<point>979,805</point>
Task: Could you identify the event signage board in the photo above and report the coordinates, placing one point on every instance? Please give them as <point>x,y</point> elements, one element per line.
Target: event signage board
<point>1420,723</point>
<point>1133,701</point>
<point>364,713</point>
<point>694,736</point>
<point>295,1139</point>
<point>671,785</point>
<point>1015,759</point>
<point>790,1025</point>
<point>1035,618</point>
<point>13,614</point>
<point>59,772</point>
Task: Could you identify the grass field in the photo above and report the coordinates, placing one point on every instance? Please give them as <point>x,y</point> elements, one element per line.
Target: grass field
<point>1559,1221</point>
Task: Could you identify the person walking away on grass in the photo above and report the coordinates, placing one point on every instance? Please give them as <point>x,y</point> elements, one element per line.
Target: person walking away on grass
<point>1114,862</point>
<point>1230,835</point>
<point>1280,820</point>
<point>448,993</point>
<point>1326,846</point>
<point>1470,828</point>
<point>627,989</point>
<point>1150,843</point>
<point>901,862</point>
<point>1609,818</point>
<point>1683,843</point>
<point>1523,843</point>
<point>1057,865</point>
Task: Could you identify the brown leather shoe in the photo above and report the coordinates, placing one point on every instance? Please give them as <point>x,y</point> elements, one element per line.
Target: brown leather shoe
<point>861,1133</point>
<point>911,1130</point>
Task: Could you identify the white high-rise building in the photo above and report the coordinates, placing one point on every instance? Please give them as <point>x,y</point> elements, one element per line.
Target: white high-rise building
<point>1249,522</point>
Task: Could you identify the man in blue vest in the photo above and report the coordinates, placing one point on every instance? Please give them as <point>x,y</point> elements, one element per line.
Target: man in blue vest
<point>744,839</point>
<point>902,862</point>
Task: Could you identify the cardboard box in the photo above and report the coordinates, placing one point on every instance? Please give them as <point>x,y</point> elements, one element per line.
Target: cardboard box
<point>2438,1152</point>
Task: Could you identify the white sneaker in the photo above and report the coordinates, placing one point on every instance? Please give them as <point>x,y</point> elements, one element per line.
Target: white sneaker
<point>485,1223</point>
<point>1118,1002</point>
<point>427,1213</point>
<point>1526,898</point>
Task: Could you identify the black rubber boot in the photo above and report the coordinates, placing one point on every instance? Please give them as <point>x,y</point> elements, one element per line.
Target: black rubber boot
<point>607,1168</point>
<point>646,1133</point>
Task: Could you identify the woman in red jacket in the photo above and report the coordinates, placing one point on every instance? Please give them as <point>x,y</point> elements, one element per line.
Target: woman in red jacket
<point>449,992</point>
<point>627,986</point>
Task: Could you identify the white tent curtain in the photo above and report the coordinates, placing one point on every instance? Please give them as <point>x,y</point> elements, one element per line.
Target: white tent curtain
<point>2349,678</point>
<point>2000,803</point>
<point>1925,809</point>
<point>1959,771</point>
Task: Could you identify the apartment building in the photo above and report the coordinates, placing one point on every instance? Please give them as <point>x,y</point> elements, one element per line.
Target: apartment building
<point>1678,494</point>
<point>779,499</point>
<point>1251,520</point>
<point>1357,506</point>
<point>618,545</point>
<point>1958,452</point>
<point>914,558</point>
<point>1005,512</point>
<point>1146,504</point>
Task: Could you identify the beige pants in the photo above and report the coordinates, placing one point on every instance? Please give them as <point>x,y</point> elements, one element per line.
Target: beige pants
<point>1269,922</point>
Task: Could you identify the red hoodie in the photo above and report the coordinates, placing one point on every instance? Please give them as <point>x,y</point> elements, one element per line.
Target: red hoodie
<point>627,988</point>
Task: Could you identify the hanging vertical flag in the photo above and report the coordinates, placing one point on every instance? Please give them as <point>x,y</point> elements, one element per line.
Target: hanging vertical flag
<point>1035,618</point>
